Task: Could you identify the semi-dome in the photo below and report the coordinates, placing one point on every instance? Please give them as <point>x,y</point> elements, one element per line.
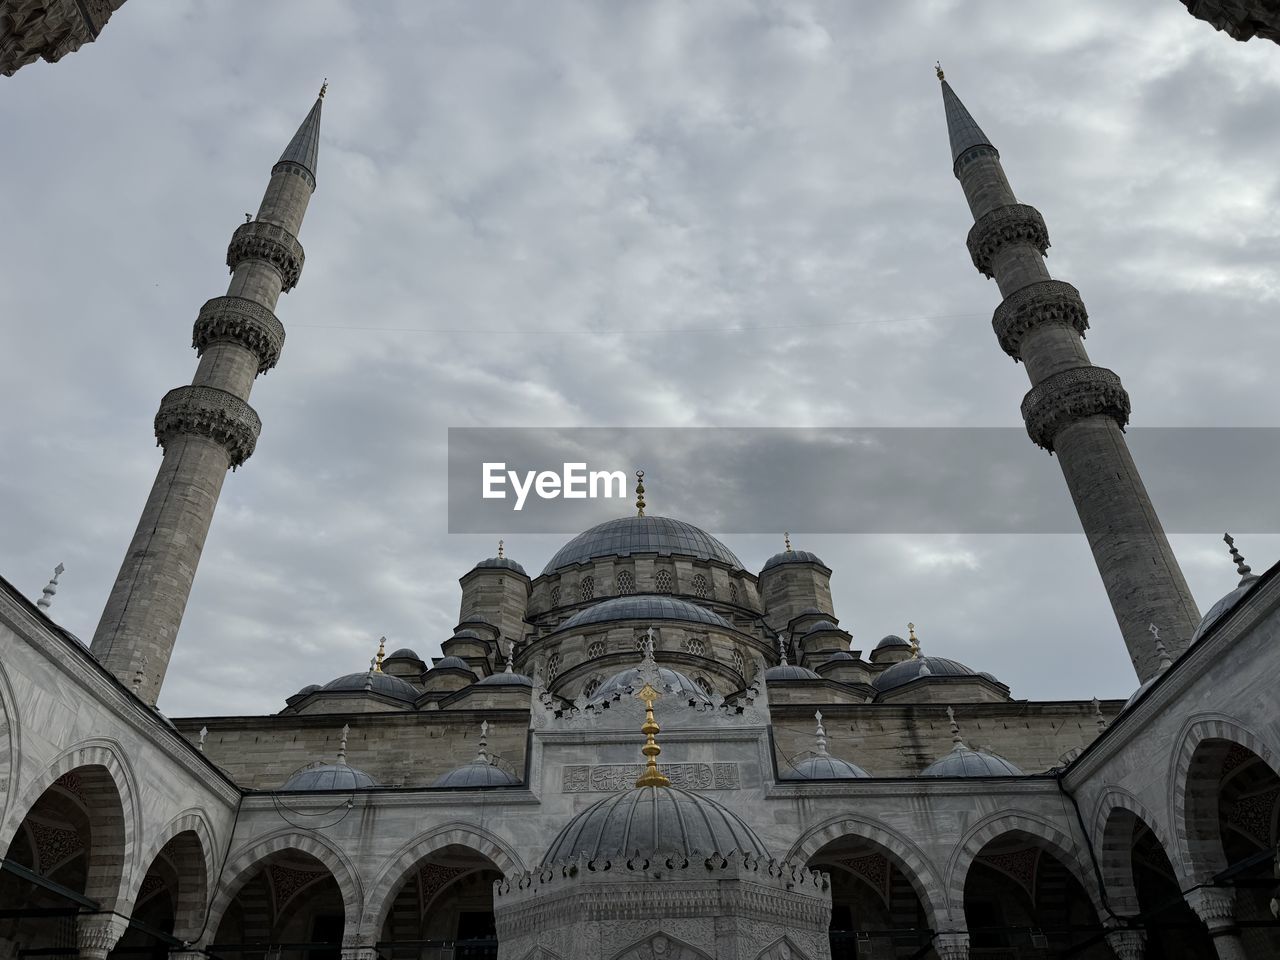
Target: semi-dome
<point>892,640</point>
<point>965,762</point>
<point>500,563</point>
<point>908,670</point>
<point>379,682</point>
<point>631,535</point>
<point>792,556</point>
<point>824,767</point>
<point>478,773</point>
<point>790,671</point>
<point>653,819</point>
<point>329,776</point>
<point>645,607</point>
<point>673,682</point>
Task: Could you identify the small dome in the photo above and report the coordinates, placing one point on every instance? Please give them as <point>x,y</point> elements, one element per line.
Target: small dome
<point>645,607</point>
<point>824,767</point>
<point>964,762</point>
<point>631,535</point>
<point>822,626</point>
<point>500,563</point>
<point>451,663</point>
<point>908,670</point>
<point>309,688</point>
<point>404,653</point>
<point>671,680</point>
<point>791,556</point>
<point>892,640</point>
<point>329,776</point>
<point>790,671</point>
<point>383,683</point>
<point>466,633</point>
<point>1223,607</point>
<point>839,655</point>
<point>1146,684</point>
<point>503,679</point>
<point>477,773</point>
<point>653,819</point>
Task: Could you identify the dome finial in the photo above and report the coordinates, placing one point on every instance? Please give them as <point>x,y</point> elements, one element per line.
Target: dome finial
<point>1161,651</point>
<point>652,776</point>
<point>499,549</point>
<point>50,588</point>
<point>1098,718</point>
<point>342,744</point>
<point>782,649</point>
<point>938,68</point>
<point>324,88</point>
<point>914,641</point>
<point>1242,568</point>
<point>786,539</point>
<point>955,731</point>
<point>639,493</point>
<point>821,735</point>
<point>204,735</point>
<point>482,754</point>
<point>368,677</point>
<point>382,654</point>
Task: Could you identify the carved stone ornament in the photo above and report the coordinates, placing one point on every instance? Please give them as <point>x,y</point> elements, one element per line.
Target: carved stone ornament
<point>98,933</point>
<point>1071,396</point>
<point>1036,304</point>
<point>259,240</point>
<point>1015,223</point>
<point>1128,944</point>
<point>242,321</point>
<point>209,412</point>
<point>952,946</point>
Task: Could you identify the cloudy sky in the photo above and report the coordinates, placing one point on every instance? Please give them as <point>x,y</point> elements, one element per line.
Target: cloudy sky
<point>629,214</point>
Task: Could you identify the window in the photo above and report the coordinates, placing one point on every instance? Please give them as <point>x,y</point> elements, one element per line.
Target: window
<point>555,595</point>
<point>733,592</point>
<point>705,684</point>
<point>700,587</point>
<point>738,664</point>
<point>662,582</point>
<point>587,588</point>
<point>553,666</point>
<point>592,686</point>
<point>626,583</point>
<point>695,645</point>
<point>596,649</point>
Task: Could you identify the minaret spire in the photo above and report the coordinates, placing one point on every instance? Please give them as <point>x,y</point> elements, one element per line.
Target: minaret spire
<point>208,426</point>
<point>1074,409</point>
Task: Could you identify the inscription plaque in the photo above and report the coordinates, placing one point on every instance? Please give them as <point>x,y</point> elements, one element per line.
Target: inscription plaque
<point>612,777</point>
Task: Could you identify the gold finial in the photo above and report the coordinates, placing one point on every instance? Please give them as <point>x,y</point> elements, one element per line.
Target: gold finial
<point>786,539</point>
<point>324,87</point>
<point>639,493</point>
<point>499,549</point>
<point>382,654</point>
<point>652,776</point>
<point>938,67</point>
<point>914,641</point>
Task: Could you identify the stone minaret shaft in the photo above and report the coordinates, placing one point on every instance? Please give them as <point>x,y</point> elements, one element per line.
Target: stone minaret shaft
<point>208,426</point>
<point>1074,409</point>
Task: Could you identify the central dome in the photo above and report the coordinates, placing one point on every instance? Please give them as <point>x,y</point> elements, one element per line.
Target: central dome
<point>653,819</point>
<point>630,535</point>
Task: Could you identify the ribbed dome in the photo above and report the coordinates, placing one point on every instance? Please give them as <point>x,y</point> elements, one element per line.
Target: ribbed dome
<point>790,671</point>
<point>671,681</point>
<point>653,819</point>
<point>824,768</point>
<point>631,535</point>
<point>329,776</point>
<point>839,655</point>
<point>309,688</point>
<point>791,556</point>
<point>892,640</point>
<point>645,607</point>
<point>383,683</point>
<point>501,563</point>
<point>908,670</point>
<point>477,773</point>
<point>964,762</point>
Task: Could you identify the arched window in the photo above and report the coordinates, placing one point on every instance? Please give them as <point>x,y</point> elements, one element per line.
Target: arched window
<point>555,595</point>
<point>553,666</point>
<point>626,582</point>
<point>700,586</point>
<point>705,684</point>
<point>695,645</point>
<point>587,588</point>
<point>739,665</point>
<point>662,582</point>
<point>592,686</point>
<point>595,649</point>
<point>733,591</point>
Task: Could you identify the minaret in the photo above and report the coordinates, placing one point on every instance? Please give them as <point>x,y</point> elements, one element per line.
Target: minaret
<point>1074,409</point>
<point>208,426</point>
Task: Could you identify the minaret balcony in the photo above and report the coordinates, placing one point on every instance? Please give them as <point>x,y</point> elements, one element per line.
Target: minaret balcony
<point>1014,223</point>
<point>211,413</point>
<point>1071,396</point>
<point>1032,306</point>
<point>241,321</point>
<point>260,240</point>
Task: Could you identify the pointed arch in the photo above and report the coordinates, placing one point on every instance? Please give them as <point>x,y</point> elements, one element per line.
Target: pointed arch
<point>661,945</point>
<point>382,892</point>
<point>10,747</point>
<point>782,949</point>
<point>901,851</point>
<point>102,774</point>
<point>1039,831</point>
<point>1117,815</point>
<point>244,864</point>
<point>192,835</point>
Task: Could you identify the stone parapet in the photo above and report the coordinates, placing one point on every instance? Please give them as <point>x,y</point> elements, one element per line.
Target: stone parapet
<point>1014,223</point>
<point>1032,306</point>
<point>259,240</point>
<point>209,412</point>
<point>242,321</point>
<point>1071,396</point>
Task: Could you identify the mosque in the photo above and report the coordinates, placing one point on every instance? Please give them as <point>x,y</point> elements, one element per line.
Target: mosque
<point>645,750</point>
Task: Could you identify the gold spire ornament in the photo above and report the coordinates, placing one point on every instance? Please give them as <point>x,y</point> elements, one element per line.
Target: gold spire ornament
<point>382,654</point>
<point>938,67</point>
<point>639,493</point>
<point>324,88</point>
<point>652,776</point>
<point>499,549</point>
<point>914,641</point>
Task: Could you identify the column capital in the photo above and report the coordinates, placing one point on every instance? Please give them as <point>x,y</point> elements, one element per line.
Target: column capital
<point>98,933</point>
<point>1128,944</point>
<point>952,945</point>
<point>1216,906</point>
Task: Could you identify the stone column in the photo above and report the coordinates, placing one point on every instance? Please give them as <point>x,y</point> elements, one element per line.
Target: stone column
<point>98,933</point>
<point>952,945</point>
<point>1217,909</point>
<point>359,948</point>
<point>1128,944</point>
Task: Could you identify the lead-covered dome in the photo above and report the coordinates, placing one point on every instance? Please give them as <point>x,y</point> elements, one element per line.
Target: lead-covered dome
<point>672,682</point>
<point>630,535</point>
<point>907,670</point>
<point>478,773</point>
<point>378,682</point>
<point>792,556</point>
<point>1223,607</point>
<point>965,762</point>
<point>329,776</point>
<point>500,563</point>
<point>645,607</point>
<point>653,819</point>
<point>824,767</point>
